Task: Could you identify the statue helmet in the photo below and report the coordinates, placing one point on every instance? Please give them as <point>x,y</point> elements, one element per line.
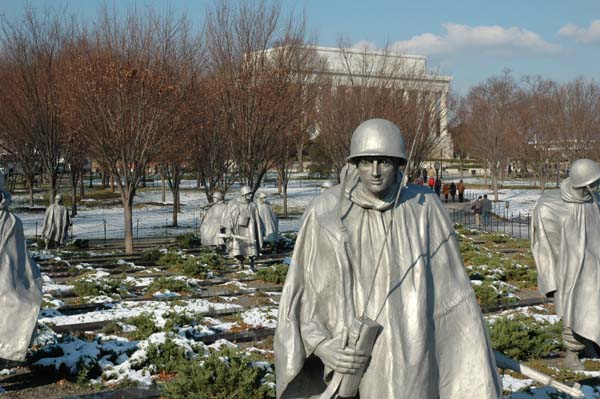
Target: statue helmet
<point>584,172</point>
<point>377,137</point>
<point>262,195</point>
<point>217,196</point>
<point>245,190</point>
<point>58,197</point>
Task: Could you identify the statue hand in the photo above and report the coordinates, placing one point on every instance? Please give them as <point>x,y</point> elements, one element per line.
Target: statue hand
<point>345,361</point>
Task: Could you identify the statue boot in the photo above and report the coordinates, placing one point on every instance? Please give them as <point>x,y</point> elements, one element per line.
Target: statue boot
<point>572,361</point>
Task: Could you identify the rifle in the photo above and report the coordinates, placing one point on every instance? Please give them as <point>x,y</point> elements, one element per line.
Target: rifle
<point>505,362</point>
<point>230,236</point>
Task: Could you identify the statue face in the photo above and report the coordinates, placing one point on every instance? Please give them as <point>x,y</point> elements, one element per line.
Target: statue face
<point>377,174</point>
<point>248,197</point>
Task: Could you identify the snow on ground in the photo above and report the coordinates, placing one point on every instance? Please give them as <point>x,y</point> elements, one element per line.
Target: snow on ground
<point>150,218</point>
<point>125,310</point>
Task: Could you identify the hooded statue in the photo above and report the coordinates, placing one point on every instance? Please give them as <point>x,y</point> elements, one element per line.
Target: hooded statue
<point>377,302</point>
<point>565,237</point>
<point>20,286</point>
<point>268,219</point>
<point>56,222</point>
<point>242,222</point>
<point>213,222</point>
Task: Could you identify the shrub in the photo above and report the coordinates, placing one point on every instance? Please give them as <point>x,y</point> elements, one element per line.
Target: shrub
<point>228,374</point>
<point>523,337</point>
<point>188,240</point>
<point>273,274</point>
<point>166,357</point>
<point>170,284</point>
<point>488,294</point>
<point>190,267</point>
<point>95,288</point>
<point>145,326</point>
<point>169,259</point>
<point>150,256</point>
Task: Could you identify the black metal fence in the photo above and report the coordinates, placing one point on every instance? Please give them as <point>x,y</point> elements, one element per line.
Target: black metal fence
<point>104,231</point>
<point>500,220</point>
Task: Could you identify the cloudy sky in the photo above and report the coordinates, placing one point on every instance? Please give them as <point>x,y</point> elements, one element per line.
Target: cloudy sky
<point>470,40</point>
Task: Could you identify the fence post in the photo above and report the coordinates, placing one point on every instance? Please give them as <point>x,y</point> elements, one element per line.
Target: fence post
<point>512,225</point>
<point>137,229</point>
<point>520,234</point>
<point>36,230</point>
<point>166,232</point>
<point>104,220</point>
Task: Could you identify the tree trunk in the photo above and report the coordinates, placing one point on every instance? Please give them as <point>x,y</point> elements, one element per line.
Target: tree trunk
<point>494,176</point>
<point>128,207</point>
<point>300,158</point>
<point>285,198</point>
<point>81,185</point>
<point>164,188</point>
<point>52,187</point>
<point>175,206</point>
<point>144,178</point>
<point>91,179</point>
<point>30,188</point>
<point>74,180</point>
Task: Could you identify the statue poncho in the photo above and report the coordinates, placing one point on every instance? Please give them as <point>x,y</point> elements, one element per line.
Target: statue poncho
<point>20,287</point>
<point>269,222</point>
<point>242,220</point>
<point>212,223</point>
<point>565,242</point>
<point>56,224</point>
<point>433,342</point>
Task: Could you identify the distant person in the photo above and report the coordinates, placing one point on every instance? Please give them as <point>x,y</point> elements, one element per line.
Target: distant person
<point>461,191</point>
<point>446,191</point>
<point>453,191</point>
<point>20,286</point>
<point>486,209</point>
<point>431,182</point>
<point>438,186</point>
<point>476,208</point>
<point>56,223</point>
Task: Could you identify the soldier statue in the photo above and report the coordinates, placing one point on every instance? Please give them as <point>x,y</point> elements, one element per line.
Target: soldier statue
<point>268,220</point>
<point>377,303</point>
<point>212,222</point>
<point>56,223</point>
<point>20,286</point>
<point>565,238</point>
<point>242,225</point>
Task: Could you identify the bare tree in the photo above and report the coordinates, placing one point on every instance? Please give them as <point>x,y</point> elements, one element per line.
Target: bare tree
<point>580,127</point>
<point>255,56</point>
<point>16,129</point>
<point>378,84</point>
<point>33,47</point>
<point>491,120</point>
<point>129,85</point>
<point>535,140</point>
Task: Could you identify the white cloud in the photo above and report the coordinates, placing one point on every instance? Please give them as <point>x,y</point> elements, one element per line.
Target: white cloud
<point>583,35</point>
<point>463,38</point>
<point>364,45</point>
